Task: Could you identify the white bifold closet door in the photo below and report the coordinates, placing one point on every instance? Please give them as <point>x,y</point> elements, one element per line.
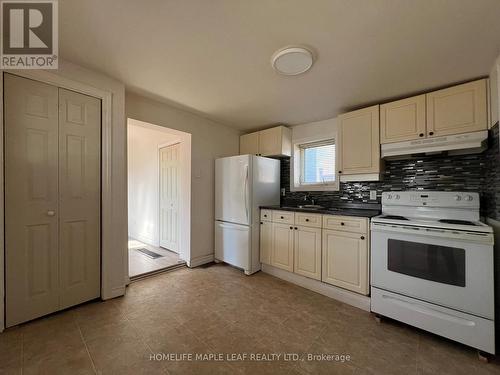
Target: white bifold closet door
<point>52,198</point>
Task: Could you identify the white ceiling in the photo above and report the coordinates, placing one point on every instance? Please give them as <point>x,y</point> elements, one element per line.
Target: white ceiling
<point>213,56</point>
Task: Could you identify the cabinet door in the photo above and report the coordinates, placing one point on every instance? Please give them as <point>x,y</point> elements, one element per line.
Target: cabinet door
<point>275,142</point>
<point>270,141</point>
<point>249,144</point>
<point>345,260</point>
<point>266,241</point>
<point>282,246</point>
<point>307,252</point>
<point>359,141</point>
<point>458,109</point>
<point>402,120</point>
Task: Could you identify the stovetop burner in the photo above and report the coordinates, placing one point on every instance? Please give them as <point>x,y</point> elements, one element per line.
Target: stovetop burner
<point>393,217</point>
<point>457,222</point>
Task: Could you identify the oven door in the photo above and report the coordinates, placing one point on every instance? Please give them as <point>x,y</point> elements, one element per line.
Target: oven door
<point>447,268</point>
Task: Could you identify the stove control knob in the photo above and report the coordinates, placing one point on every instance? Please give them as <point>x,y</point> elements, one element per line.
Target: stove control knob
<point>397,196</point>
<point>469,198</point>
<point>389,196</point>
<point>458,198</point>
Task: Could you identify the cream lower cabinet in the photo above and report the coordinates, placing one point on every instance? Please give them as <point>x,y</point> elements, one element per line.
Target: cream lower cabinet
<point>328,248</point>
<point>266,241</point>
<point>345,260</point>
<point>307,252</point>
<point>282,246</point>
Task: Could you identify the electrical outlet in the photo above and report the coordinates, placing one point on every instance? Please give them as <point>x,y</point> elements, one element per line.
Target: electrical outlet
<point>373,195</point>
<point>283,192</point>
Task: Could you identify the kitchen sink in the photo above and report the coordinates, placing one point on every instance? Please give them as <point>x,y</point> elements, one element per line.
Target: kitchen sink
<point>312,207</point>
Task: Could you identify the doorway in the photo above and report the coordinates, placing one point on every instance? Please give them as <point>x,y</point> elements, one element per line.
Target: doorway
<point>158,200</point>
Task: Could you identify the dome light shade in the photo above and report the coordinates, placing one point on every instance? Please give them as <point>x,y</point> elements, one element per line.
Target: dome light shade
<point>292,61</point>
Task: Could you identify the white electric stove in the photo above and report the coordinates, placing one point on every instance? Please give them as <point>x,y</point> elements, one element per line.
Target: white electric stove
<point>432,265</point>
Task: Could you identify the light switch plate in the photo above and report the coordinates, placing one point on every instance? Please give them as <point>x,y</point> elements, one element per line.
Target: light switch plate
<point>373,195</point>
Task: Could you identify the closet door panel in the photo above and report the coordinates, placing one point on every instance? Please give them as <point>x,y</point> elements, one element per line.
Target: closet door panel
<point>79,185</point>
<point>31,199</point>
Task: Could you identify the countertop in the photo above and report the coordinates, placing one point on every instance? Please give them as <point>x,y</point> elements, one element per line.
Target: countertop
<point>341,211</point>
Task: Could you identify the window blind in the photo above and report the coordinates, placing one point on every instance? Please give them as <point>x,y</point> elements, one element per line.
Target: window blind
<point>318,162</point>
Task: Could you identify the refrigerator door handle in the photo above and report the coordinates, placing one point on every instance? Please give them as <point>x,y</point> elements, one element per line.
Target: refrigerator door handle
<point>245,193</point>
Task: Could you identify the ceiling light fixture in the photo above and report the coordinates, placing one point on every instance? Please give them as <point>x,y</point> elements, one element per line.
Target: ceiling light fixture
<point>291,61</point>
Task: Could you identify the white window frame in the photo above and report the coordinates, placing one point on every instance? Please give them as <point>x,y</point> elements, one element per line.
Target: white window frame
<point>296,166</point>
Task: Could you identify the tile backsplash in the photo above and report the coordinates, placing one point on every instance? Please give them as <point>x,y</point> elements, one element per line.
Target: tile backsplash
<point>476,173</point>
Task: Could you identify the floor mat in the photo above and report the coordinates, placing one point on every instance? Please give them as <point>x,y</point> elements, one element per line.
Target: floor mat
<point>149,253</point>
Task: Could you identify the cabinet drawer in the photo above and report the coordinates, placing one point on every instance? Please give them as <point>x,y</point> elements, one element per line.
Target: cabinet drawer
<point>345,223</point>
<point>266,215</point>
<point>285,217</point>
<point>308,220</point>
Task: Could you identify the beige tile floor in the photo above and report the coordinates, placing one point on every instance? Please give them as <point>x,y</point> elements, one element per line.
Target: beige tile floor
<point>219,310</point>
<point>140,264</point>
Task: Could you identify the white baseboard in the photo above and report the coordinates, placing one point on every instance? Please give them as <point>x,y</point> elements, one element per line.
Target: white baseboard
<point>342,295</point>
<point>198,261</point>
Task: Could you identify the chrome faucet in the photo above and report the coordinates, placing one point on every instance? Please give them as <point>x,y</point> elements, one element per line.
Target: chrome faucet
<point>307,197</point>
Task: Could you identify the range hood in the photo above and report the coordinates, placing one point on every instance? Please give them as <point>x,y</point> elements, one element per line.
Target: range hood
<point>458,144</point>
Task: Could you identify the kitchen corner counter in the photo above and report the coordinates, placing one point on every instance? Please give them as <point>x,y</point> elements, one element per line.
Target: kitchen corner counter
<point>340,211</point>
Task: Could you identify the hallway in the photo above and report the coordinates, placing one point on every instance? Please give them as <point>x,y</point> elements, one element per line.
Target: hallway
<point>140,264</point>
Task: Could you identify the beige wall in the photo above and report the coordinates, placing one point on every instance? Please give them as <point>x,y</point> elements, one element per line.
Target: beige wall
<point>209,141</point>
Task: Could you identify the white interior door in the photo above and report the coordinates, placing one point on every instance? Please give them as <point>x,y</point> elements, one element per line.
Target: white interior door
<point>31,199</point>
<point>169,197</point>
<point>79,197</point>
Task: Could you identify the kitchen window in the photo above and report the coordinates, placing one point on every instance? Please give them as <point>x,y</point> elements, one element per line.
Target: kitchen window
<point>314,166</point>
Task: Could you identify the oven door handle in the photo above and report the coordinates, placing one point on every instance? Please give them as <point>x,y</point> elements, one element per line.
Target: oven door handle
<point>459,236</point>
<point>429,311</point>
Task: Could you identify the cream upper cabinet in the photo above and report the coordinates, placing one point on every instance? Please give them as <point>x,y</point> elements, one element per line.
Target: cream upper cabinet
<point>282,246</point>
<point>494,87</point>
<point>403,120</point>
<point>249,144</point>
<point>307,252</point>
<point>359,141</point>
<point>345,260</point>
<point>458,109</point>
<point>275,141</point>
<point>266,241</point>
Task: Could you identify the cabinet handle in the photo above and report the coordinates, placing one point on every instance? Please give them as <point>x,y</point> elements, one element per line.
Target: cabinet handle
<point>282,217</point>
<point>421,135</point>
<point>307,219</point>
<point>265,215</point>
<point>431,133</point>
<point>340,172</point>
<point>342,223</point>
<point>296,228</point>
<point>362,237</point>
<point>291,227</point>
<point>261,223</point>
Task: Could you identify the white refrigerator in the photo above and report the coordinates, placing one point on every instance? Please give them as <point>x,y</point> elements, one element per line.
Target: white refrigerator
<point>242,184</point>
